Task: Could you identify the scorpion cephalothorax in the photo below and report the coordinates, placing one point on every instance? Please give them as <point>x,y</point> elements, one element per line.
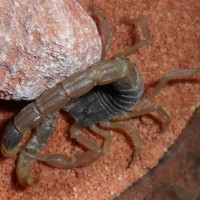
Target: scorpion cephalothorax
<point>105,102</point>
<point>108,91</point>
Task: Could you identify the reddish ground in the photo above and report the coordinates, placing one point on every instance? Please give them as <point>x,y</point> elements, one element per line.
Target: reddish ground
<point>174,26</point>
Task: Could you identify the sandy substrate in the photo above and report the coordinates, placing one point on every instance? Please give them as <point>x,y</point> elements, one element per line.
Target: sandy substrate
<point>177,174</point>
<point>175,31</point>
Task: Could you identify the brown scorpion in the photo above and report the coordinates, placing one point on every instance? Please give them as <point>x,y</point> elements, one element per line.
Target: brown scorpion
<point>104,93</point>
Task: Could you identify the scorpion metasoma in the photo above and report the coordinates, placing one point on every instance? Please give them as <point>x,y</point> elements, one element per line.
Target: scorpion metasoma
<point>106,92</point>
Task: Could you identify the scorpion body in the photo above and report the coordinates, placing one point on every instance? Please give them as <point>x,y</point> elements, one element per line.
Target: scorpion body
<point>108,91</point>
<point>103,103</point>
<point>57,97</point>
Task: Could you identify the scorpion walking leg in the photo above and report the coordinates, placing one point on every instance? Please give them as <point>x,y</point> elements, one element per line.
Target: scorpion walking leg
<point>164,80</point>
<point>94,151</point>
<point>154,108</point>
<point>140,44</point>
<point>163,114</point>
<point>33,148</point>
<point>134,135</point>
<point>96,12</point>
<point>105,135</point>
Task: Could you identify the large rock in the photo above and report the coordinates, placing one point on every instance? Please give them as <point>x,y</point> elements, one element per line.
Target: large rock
<point>41,43</point>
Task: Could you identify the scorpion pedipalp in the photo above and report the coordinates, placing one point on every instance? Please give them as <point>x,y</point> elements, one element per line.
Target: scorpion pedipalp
<point>33,147</point>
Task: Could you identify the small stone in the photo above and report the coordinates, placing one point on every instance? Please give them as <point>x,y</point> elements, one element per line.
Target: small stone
<point>42,42</point>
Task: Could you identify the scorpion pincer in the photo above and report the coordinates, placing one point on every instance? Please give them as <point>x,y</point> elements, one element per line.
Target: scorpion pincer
<point>108,91</point>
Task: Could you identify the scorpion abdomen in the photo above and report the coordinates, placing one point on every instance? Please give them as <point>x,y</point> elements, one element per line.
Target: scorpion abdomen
<point>103,103</point>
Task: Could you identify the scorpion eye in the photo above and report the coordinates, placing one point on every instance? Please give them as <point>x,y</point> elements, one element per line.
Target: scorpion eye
<point>86,113</point>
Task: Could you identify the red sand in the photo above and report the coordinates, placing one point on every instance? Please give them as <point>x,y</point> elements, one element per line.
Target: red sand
<point>175,30</point>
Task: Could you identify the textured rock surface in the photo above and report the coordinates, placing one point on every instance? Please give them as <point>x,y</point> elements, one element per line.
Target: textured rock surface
<point>41,42</point>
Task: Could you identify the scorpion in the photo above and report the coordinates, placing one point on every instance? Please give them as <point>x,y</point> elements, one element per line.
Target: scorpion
<point>96,98</point>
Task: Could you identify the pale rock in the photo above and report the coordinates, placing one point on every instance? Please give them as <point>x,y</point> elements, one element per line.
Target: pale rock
<point>41,43</point>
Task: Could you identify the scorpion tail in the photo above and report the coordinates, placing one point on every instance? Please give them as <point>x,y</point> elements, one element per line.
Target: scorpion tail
<point>10,140</point>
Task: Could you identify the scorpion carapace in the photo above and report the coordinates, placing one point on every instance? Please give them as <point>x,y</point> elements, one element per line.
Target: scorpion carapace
<point>104,93</point>
<point>104,102</point>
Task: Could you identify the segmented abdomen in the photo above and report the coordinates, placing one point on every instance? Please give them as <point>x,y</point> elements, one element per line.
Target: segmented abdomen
<point>116,99</point>
<point>105,102</point>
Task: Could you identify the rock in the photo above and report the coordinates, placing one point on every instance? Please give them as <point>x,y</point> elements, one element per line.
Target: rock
<point>41,43</point>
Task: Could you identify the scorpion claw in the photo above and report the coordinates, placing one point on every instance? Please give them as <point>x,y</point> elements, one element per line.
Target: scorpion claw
<point>9,153</point>
<point>23,171</point>
<point>31,150</point>
<point>27,181</point>
<point>10,140</point>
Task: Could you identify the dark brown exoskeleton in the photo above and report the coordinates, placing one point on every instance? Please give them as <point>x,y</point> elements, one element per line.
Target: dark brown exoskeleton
<point>108,91</point>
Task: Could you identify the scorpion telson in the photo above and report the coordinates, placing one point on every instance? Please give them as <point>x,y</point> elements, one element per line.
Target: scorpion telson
<point>108,91</point>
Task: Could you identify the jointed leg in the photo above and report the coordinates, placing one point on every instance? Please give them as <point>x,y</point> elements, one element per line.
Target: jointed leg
<point>164,81</point>
<point>154,108</point>
<point>145,31</point>
<point>90,156</point>
<point>105,135</point>
<point>134,135</point>
<point>94,151</point>
<point>96,12</point>
<point>138,110</point>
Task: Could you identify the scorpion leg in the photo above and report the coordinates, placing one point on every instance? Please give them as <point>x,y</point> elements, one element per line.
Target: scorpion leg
<point>140,44</point>
<point>164,80</point>
<point>105,135</point>
<point>135,136</point>
<point>33,148</point>
<point>96,12</point>
<point>154,108</point>
<point>94,151</point>
<point>163,114</point>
